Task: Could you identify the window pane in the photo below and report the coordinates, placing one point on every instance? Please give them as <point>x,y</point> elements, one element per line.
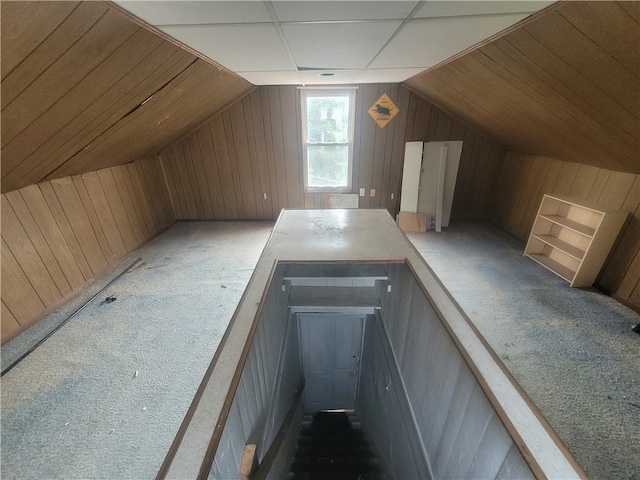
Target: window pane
<point>328,166</point>
<point>328,119</point>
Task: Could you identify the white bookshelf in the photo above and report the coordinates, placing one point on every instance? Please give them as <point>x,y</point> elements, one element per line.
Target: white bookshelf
<point>573,238</point>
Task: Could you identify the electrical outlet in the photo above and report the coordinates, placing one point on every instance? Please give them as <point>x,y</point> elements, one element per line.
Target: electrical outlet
<point>362,192</point>
<point>392,196</point>
<point>265,196</point>
<point>372,192</point>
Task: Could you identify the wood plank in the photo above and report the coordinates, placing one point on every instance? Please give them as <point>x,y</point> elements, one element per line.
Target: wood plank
<point>141,199</point>
<point>255,162</point>
<point>617,275</point>
<point>389,134</point>
<point>210,163</point>
<point>616,189</point>
<point>596,21</point>
<point>34,234</point>
<point>23,250</point>
<point>259,136</point>
<point>368,132</point>
<point>583,184</point>
<point>118,102</point>
<point>68,197</point>
<point>52,232</point>
<point>562,104</point>
<point>25,26</point>
<point>129,207</point>
<point>378,161</point>
<point>271,161</point>
<point>102,208</point>
<point>242,161</point>
<point>73,240</point>
<point>108,33</point>
<point>201,176</point>
<point>80,97</point>
<point>397,155</point>
<point>76,18</point>
<point>17,292</point>
<point>569,80</point>
<point>168,159</point>
<point>597,66</point>
<point>136,204</point>
<point>224,167</point>
<point>566,178</point>
<point>193,193</point>
<point>291,125</point>
<point>117,208</point>
<point>131,138</point>
<point>9,323</point>
<point>81,188</point>
<point>275,121</point>
<point>233,159</point>
<point>157,212</point>
<point>631,8</point>
<point>156,186</point>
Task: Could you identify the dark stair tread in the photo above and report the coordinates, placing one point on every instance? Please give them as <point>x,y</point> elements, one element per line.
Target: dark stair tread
<point>334,466</point>
<point>329,447</point>
<point>355,451</point>
<point>335,476</point>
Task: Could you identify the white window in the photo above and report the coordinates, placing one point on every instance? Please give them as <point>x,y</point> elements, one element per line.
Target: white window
<point>327,138</point>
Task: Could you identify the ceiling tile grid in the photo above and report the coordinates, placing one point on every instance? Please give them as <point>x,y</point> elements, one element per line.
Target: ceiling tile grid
<point>330,42</point>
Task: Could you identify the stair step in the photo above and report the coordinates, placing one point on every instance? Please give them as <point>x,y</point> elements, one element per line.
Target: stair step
<point>333,446</point>
<point>335,476</point>
<point>333,451</point>
<point>336,465</point>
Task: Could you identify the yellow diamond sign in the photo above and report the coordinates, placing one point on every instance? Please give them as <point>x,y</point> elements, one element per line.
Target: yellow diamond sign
<point>383,110</point>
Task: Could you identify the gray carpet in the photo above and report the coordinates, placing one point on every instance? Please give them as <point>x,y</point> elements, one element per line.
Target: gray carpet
<point>572,350</point>
<point>105,395</point>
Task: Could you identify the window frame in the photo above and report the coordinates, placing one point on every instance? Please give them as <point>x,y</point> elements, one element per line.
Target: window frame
<point>327,92</point>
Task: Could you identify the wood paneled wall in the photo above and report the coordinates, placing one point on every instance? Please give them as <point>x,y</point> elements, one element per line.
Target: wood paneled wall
<point>566,85</point>
<point>58,235</point>
<point>224,169</point>
<point>524,179</point>
<point>85,88</point>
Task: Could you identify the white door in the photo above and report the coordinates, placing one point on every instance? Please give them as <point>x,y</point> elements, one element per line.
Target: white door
<point>438,179</point>
<point>330,347</point>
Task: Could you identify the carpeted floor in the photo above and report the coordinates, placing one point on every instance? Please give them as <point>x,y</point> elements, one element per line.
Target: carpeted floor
<point>572,350</point>
<point>105,395</point>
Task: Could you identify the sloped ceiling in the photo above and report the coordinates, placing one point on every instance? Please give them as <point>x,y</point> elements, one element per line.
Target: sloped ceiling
<point>84,88</point>
<point>565,85</point>
<point>329,42</point>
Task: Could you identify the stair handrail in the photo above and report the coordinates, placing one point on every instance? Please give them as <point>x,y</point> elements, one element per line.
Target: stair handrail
<point>265,465</point>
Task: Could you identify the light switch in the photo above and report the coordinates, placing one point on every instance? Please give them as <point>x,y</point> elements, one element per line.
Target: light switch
<point>372,192</point>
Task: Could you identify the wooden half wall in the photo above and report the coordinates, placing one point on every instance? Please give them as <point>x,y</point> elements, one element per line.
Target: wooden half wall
<point>522,181</point>
<point>59,235</point>
<point>246,163</point>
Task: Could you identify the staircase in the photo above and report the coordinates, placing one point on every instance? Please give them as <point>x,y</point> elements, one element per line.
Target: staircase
<point>332,446</point>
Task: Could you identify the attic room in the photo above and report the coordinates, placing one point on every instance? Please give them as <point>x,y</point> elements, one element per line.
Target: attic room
<point>148,149</point>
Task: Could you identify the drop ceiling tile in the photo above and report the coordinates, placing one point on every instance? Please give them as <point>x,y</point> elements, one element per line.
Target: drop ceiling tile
<point>341,45</point>
<point>386,75</point>
<point>238,48</point>
<point>185,12</point>
<point>325,11</point>
<point>427,42</point>
<point>463,8</point>
<point>288,77</point>
<point>340,77</point>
